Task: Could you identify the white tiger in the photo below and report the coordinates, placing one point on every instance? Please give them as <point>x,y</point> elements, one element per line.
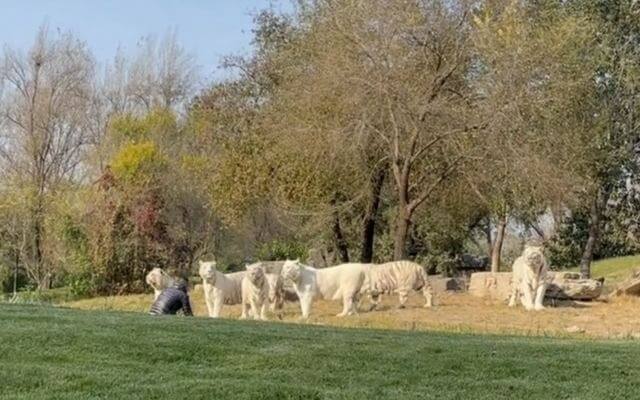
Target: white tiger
<point>276,293</point>
<point>158,280</point>
<point>529,279</point>
<point>399,277</point>
<point>276,289</point>
<point>279,290</point>
<point>340,282</point>
<point>220,288</point>
<point>255,293</point>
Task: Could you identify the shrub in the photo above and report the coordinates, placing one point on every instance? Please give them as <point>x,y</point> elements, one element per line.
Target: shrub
<point>566,246</point>
<point>136,162</point>
<point>282,250</point>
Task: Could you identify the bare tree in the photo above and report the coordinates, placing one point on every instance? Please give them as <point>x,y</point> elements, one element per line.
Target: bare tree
<point>161,74</point>
<point>114,89</point>
<point>43,115</point>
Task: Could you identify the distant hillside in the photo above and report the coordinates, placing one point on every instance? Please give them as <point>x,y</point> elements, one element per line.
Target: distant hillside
<point>615,269</point>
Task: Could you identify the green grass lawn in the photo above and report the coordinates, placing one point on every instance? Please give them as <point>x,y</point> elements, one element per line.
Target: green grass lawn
<point>54,353</point>
<point>616,269</point>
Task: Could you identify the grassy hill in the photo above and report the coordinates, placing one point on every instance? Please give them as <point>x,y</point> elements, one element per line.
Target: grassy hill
<point>615,269</point>
<point>54,353</point>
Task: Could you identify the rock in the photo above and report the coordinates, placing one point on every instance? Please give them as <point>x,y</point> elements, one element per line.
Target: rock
<point>574,329</point>
<point>569,286</point>
<point>563,285</point>
<point>441,284</point>
<point>630,287</point>
<point>197,287</point>
<point>565,275</point>
<point>489,285</point>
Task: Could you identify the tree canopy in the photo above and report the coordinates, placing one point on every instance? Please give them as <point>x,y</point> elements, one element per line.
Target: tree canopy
<point>354,130</point>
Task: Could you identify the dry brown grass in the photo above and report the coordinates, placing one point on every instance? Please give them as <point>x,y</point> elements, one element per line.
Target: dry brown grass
<point>453,312</point>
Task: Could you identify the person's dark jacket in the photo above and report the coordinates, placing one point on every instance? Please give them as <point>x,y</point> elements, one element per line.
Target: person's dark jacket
<point>170,301</point>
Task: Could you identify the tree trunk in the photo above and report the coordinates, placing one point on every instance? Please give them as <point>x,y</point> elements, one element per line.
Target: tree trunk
<point>36,250</point>
<point>595,217</point>
<point>496,249</point>
<point>369,224</point>
<point>15,275</point>
<point>487,233</point>
<point>403,223</point>
<point>341,243</point>
<point>45,283</point>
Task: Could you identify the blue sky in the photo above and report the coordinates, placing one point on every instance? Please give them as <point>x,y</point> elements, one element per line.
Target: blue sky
<point>209,29</point>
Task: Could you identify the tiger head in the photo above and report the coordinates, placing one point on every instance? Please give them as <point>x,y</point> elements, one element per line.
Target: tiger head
<point>158,279</point>
<point>534,256</point>
<point>255,274</point>
<point>292,271</point>
<point>208,271</point>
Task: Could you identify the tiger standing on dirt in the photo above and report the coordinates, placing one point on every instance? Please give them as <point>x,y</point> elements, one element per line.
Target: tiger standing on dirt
<point>401,277</point>
<point>529,282</point>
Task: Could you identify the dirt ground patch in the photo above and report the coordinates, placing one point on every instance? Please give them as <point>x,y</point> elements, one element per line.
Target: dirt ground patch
<point>457,312</point>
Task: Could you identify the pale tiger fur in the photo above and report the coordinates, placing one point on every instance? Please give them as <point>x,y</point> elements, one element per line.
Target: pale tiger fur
<point>342,282</point>
<point>529,282</point>
<point>279,290</point>
<point>158,280</point>
<point>220,288</point>
<point>399,277</point>
<point>255,293</point>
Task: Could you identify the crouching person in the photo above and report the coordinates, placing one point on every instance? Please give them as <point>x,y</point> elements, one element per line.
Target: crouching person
<point>171,300</point>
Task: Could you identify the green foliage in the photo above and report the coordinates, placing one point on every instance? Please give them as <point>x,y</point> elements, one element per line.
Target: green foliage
<point>566,246</point>
<point>81,285</point>
<point>45,296</point>
<point>239,178</point>
<point>138,162</point>
<point>158,123</point>
<point>6,278</point>
<point>128,126</point>
<point>294,144</point>
<point>148,209</point>
<point>282,250</point>
<point>76,258</point>
<point>440,263</point>
<point>128,239</point>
